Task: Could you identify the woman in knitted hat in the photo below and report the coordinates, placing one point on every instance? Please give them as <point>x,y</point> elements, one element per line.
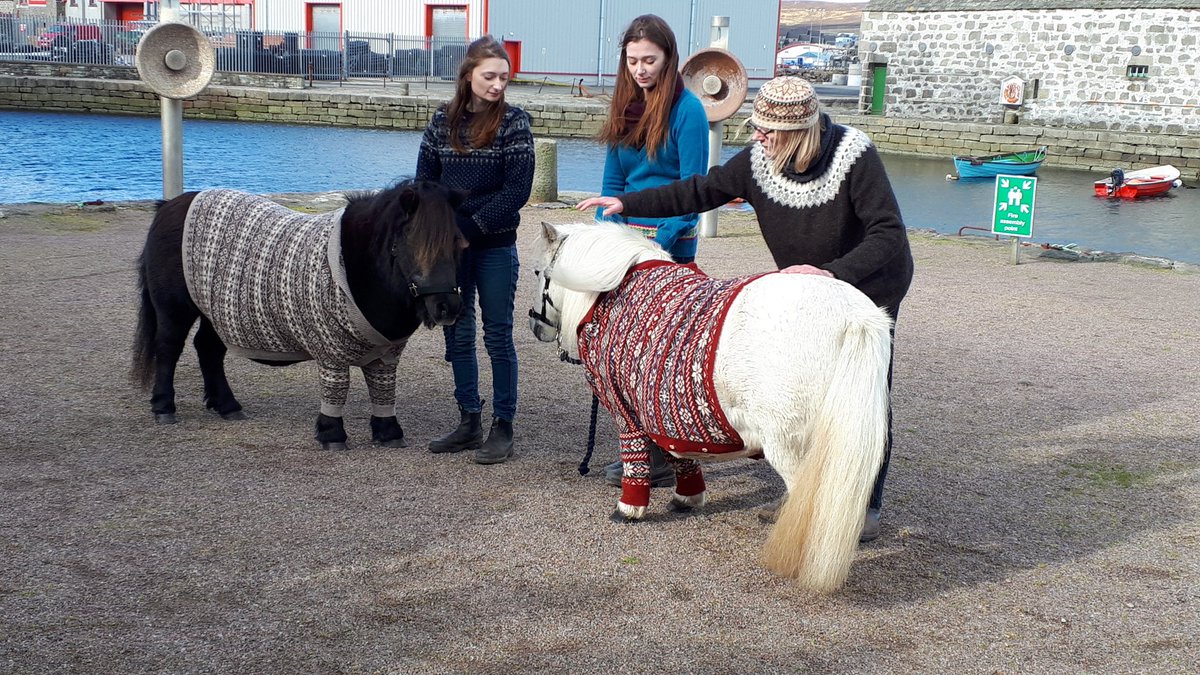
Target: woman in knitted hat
<point>823,203</point>
<point>657,132</point>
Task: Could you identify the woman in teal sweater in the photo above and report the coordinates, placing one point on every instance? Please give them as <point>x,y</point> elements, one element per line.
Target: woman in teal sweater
<point>657,131</point>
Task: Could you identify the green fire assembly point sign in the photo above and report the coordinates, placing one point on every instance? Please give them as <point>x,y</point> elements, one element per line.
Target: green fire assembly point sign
<point>1013,212</point>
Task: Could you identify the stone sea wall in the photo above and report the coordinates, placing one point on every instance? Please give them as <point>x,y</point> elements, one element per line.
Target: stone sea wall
<point>1087,149</point>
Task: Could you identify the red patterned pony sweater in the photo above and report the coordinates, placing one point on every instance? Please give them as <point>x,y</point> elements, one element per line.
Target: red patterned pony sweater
<point>648,347</point>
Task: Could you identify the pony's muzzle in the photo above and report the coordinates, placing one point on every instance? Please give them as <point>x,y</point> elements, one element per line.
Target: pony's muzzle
<point>541,330</point>
<point>443,309</point>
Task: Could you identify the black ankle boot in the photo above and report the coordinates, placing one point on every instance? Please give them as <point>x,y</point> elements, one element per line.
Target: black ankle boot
<point>662,474</point>
<point>499,444</point>
<point>467,436</point>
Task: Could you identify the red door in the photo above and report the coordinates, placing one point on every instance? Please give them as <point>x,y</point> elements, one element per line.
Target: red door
<point>513,47</point>
<point>129,12</point>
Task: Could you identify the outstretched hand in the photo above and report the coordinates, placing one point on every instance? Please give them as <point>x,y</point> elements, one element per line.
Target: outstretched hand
<point>806,269</point>
<point>611,205</point>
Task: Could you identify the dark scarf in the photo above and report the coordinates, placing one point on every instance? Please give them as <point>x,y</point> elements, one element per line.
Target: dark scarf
<point>637,108</point>
<point>831,137</point>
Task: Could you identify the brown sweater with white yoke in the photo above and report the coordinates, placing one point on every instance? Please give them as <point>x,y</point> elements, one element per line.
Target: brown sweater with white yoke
<point>841,215</point>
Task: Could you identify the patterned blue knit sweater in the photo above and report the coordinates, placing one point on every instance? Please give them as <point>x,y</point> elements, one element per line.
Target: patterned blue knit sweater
<point>497,178</point>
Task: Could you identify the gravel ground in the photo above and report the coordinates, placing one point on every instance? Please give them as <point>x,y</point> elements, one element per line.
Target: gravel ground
<point>1040,515</point>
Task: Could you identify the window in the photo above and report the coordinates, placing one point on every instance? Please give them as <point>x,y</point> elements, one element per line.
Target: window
<point>1134,72</point>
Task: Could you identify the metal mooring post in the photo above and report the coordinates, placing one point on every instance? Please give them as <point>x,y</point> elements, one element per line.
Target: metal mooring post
<point>716,130</point>
<point>172,121</point>
<point>176,61</point>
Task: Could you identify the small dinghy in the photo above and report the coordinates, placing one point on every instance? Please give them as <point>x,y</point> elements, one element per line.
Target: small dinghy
<point>1140,183</point>
<point>1021,163</point>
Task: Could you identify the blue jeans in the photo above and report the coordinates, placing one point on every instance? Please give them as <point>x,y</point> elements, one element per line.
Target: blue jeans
<point>490,273</point>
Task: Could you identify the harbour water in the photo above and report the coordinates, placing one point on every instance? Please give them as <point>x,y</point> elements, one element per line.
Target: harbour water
<point>65,158</point>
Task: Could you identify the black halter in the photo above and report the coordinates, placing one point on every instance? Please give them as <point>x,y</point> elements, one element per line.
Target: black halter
<point>421,291</point>
<point>418,290</point>
<point>539,315</point>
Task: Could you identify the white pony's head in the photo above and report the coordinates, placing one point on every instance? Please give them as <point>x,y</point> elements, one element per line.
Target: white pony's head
<point>576,262</point>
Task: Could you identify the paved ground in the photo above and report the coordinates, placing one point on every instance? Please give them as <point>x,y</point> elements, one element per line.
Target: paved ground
<point>1041,516</point>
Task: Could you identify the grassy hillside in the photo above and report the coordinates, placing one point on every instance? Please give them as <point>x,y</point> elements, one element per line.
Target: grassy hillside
<point>830,17</point>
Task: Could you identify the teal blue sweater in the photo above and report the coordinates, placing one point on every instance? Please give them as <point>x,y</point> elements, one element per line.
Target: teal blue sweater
<point>684,154</point>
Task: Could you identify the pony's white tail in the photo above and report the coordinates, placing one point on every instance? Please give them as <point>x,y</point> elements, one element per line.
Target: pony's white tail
<point>817,530</point>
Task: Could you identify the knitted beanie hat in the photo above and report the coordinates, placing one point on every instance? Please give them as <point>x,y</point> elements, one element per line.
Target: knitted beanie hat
<point>785,103</point>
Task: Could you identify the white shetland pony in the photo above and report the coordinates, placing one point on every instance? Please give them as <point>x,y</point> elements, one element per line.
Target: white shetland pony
<point>799,373</point>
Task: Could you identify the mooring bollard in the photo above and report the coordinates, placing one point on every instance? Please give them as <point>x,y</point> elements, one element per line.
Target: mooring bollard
<point>545,172</point>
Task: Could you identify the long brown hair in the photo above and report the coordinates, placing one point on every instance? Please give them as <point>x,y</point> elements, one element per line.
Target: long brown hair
<point>650,132</point>
<point>486,122</point>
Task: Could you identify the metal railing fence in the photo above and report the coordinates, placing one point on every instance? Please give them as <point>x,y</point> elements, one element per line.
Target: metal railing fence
<point>314,55</point>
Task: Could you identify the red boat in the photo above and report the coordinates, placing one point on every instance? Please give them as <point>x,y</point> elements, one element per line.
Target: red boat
<point>1141,183</point>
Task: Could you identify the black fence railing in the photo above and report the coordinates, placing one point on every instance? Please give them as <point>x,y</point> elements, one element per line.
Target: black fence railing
<point>315,55</point>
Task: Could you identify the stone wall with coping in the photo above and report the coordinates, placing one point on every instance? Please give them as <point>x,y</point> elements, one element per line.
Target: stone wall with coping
<point>1086,149</point>
<point>948,65</point>
<point>114,72</point>
<point>386,109</point>
<point>1083,149</point>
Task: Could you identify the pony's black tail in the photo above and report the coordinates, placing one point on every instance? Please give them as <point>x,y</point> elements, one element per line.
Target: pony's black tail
<point>142,370</point>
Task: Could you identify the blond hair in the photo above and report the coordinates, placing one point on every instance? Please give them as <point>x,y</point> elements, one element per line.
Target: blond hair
<point>797,148</point>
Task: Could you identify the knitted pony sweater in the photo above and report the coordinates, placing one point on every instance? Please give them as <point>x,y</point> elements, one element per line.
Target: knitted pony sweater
<point>272,282</point>
<point>649,346</point>
<point>683,154</point>
<point>497,178</point>
<point>843,219</point>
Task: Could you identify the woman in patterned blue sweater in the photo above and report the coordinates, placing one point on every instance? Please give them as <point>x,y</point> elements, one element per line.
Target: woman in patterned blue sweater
<point>483,146</point>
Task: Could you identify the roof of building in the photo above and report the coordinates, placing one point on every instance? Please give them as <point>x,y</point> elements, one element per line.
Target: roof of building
<point>985,5</point>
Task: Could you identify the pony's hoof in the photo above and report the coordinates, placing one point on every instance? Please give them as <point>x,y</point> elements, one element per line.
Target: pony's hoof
<point>394,443</point>
<point>335,446</point>
<point>626,513</point>
<point>166,418</point>
<point>234,415</point>
<point>687,503</point>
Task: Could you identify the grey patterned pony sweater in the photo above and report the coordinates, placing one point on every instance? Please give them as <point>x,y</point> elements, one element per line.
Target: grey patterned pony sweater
<point>842,216</point>
<point>272,282</point>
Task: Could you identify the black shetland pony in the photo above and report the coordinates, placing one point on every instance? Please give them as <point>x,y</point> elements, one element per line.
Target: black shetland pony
<point>345,288</point>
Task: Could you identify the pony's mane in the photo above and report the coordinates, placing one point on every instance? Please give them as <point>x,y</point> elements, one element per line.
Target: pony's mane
<point>429,234</point>
<point>594,258</point>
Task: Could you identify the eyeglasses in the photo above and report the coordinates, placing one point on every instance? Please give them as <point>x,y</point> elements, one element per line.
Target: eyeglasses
<point>764,132</point>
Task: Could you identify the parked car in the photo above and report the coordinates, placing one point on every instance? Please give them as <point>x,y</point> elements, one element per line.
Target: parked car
<point>48,36</point>
<point>89,51</point>
<point>65,33</point>
<point>126,41</point>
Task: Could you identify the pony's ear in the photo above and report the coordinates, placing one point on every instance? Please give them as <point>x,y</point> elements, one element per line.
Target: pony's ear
<point>549,234</point>
<point>409,200</point>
